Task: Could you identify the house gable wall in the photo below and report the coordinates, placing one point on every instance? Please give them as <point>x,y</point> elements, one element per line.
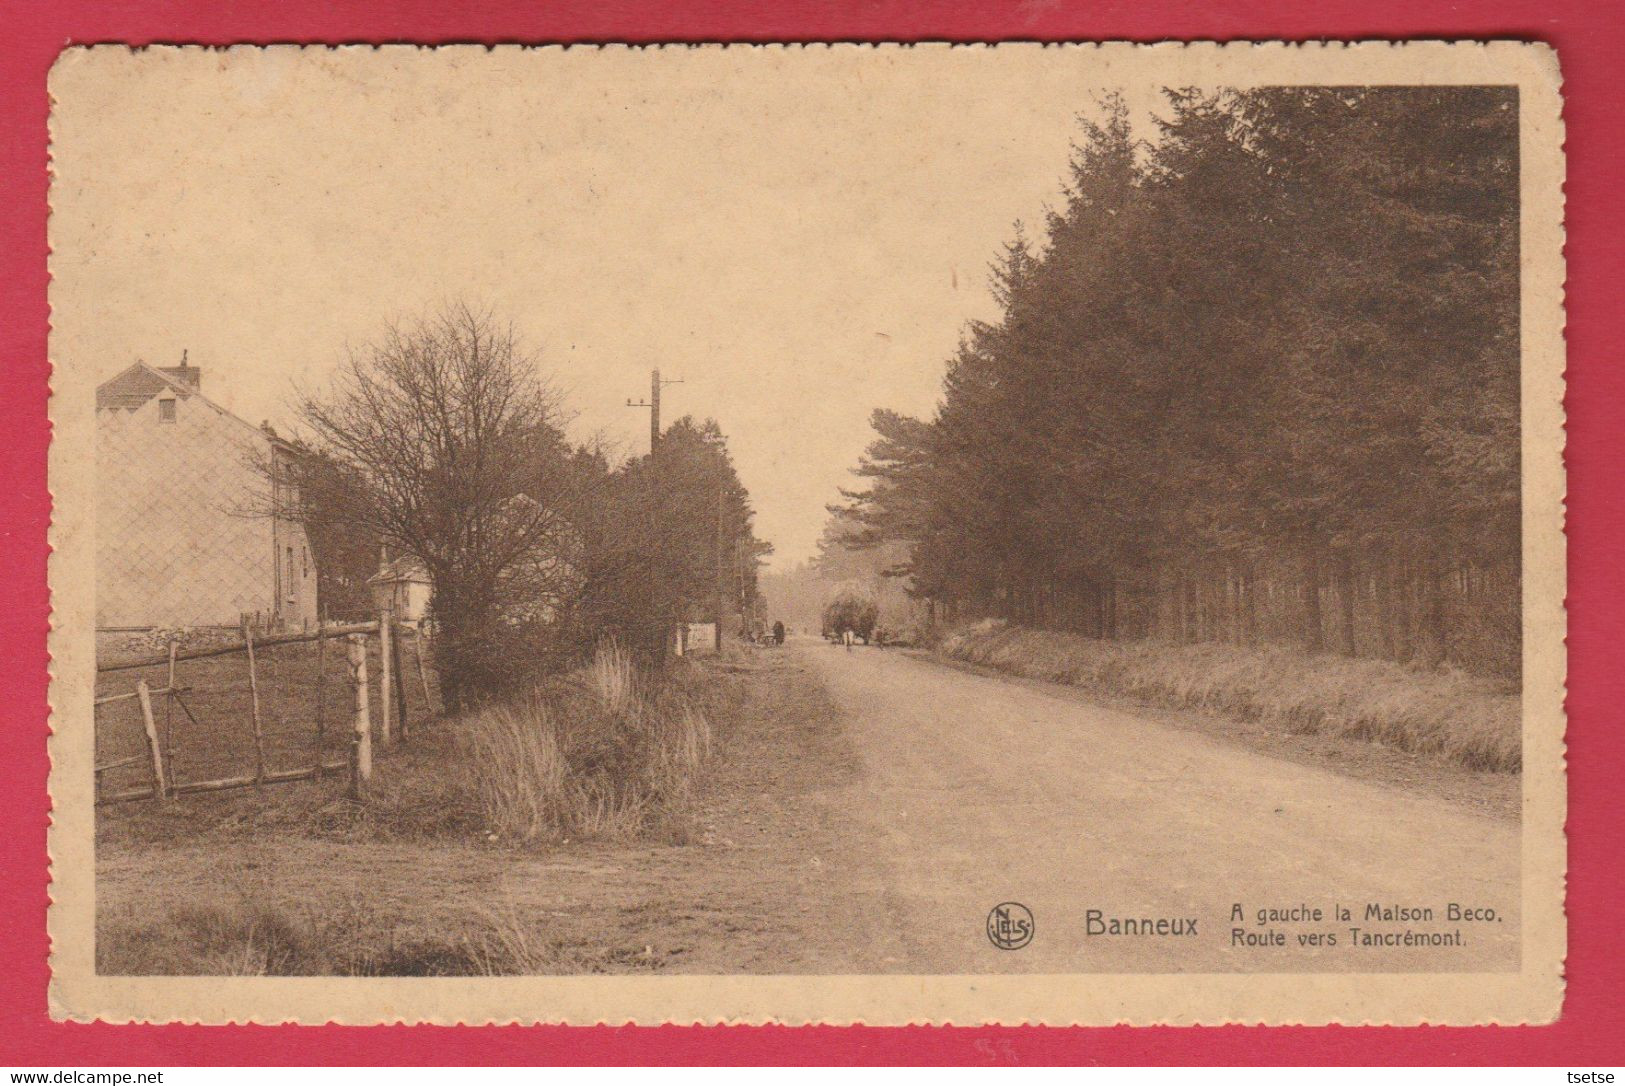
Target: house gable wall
<point>179,540</point>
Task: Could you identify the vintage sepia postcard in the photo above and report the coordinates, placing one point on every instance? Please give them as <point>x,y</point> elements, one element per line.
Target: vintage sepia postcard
<point>808,534</point>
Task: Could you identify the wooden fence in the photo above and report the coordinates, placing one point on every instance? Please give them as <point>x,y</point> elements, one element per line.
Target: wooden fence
<point>262,709</point>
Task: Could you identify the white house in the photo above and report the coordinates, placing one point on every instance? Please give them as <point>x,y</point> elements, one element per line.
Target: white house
<point>403,586</point>
<point>189,531</point>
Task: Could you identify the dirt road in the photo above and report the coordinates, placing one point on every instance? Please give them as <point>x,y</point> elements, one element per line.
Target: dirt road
<point>863,813</point>
<point>980,790</point>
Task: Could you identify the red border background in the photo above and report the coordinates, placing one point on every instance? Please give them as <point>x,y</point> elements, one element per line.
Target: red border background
<point>1589,40</point>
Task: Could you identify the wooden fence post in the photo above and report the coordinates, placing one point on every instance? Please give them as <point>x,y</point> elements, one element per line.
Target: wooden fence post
<point>423,676</point>
<point>321,692</point>
<point>169,709</point>
<point>398,671</point>
<point>254,703</point>
<point>95,724</point>
<point>160,789</point>
<point>386,619</point>
<point>361,731</point>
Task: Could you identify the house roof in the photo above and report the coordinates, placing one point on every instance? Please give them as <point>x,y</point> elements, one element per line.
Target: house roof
<point>404,568</point>
<point>132,387</point>
<point>139,383</point>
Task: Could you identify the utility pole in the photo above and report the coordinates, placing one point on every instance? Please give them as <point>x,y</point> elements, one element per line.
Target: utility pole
<point>720,582</point>
<point>654,410</point>
<point>653,404</point>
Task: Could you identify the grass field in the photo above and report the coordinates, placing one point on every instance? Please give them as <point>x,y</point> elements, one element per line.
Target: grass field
<point>1472,722</point>
<point>433,876</point>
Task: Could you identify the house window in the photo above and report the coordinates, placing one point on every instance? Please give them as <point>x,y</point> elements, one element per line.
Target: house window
<point>166,410</point>
<point>290,576</point>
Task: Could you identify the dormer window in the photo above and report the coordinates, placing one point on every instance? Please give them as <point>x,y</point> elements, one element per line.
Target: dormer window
<point>166,410</point>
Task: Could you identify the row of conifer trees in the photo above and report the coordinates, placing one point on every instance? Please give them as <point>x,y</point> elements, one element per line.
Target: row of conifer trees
<point>1257,381</point>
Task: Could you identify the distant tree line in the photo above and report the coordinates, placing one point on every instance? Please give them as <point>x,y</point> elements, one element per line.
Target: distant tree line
<point>801,593</point>
<point>1258,381</point>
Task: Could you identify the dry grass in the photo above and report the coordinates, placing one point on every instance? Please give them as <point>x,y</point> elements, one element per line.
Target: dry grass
<point>239,927</point>
<point>293,880</point>
<point>505,940</point>
<point>241,938</point>
<point>609,757</point>
<point>604,754</point>
<point>1470,721</point>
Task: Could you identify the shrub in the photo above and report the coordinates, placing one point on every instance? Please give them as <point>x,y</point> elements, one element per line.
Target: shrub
<point>607,754</point>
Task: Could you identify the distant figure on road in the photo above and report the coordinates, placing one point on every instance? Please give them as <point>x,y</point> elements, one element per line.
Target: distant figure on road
<point>778,633</point>
<point>846,638</point>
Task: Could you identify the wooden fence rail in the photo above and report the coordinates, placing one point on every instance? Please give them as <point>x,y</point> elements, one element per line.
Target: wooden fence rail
<point>135,694</point>
<point>391,719</point>
<point>279,776</point>
<point>227,650</point>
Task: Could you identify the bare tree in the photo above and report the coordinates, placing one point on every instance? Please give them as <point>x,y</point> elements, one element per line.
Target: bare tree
<point>442,441</point>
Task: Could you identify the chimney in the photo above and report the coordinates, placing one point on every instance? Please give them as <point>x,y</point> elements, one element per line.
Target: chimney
<point>189,376</point>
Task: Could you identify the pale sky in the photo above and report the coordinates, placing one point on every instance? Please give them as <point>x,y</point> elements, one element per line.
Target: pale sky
<point>800,235</point>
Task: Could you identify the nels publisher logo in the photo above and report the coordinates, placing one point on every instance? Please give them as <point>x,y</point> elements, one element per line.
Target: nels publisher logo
<point>1010,926</point>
